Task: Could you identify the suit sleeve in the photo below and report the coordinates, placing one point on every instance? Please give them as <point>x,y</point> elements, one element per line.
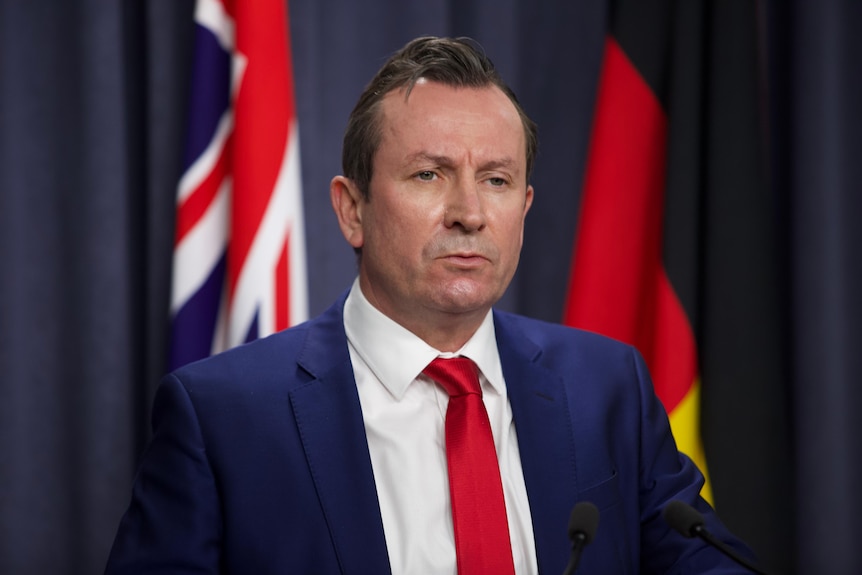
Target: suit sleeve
<point>666,474</point>
<point>173,524</point>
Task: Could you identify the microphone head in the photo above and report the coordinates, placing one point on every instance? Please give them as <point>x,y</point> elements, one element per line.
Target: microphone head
<point>683,518</point>
<point>584,521</point>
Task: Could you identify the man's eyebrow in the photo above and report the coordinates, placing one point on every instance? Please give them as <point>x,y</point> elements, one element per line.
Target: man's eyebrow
<point>443,160</point>
<point>435,159</point>
<point>505,162</point>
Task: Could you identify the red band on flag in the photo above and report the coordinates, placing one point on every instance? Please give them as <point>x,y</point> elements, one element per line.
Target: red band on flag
<point>619,286</point>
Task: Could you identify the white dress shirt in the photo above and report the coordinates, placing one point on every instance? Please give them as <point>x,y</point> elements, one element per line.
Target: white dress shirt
<point>404,414</point>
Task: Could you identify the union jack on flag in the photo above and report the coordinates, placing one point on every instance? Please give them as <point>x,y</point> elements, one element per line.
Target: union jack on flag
<point>239,269</point>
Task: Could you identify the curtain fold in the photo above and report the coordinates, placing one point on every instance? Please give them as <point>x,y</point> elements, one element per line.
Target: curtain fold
<point>825,147</point>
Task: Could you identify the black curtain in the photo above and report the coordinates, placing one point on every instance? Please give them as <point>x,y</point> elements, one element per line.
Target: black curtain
<point>93,98</point>
<point>819,162</point>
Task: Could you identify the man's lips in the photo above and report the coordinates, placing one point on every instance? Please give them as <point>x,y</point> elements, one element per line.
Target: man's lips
<point>465,259</point>
<point>461,252</point>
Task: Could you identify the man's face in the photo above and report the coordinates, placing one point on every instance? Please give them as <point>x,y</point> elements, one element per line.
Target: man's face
<point>441,232</point>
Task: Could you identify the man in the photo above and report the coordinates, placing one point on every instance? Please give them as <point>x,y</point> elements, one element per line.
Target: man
<point>323,449</point>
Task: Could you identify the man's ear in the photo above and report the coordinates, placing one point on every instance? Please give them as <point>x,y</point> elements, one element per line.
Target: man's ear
<point>347,201</point>
<point>528,200</point>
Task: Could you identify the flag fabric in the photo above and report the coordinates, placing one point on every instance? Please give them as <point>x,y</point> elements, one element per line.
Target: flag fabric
<point>239,269</point>
<point>673,251</point>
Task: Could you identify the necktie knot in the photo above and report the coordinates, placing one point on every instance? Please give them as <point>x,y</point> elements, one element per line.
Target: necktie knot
<point>458,375</point>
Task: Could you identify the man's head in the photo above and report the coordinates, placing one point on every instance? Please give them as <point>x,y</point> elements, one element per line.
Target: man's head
<point>452,62</point>
<point>440,219</point>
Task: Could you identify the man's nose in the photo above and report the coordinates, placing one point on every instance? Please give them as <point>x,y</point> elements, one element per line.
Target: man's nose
<point>464,206</point>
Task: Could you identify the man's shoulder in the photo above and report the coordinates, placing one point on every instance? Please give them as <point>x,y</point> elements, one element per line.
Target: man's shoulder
<point>545,333</point>
<point>561,347</point>
<point>276,355</point>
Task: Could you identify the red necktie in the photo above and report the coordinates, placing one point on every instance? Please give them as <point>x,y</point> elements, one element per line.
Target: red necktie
<point>482,543</point>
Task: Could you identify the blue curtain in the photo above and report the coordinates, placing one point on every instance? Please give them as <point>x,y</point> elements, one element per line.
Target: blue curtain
<point>93,97</point>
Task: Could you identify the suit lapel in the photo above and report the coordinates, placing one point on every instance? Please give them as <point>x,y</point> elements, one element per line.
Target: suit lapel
<point>545,441</point>
<point>331,428</point>
<point>329,417</point>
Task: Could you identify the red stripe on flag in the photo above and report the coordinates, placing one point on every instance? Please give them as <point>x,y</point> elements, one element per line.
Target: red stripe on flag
<point>619,231</point>
<point>264,110</point>
<point>196,204</point>
<point>673,361</point>
<point>618,285</point>
<point>282,288</point>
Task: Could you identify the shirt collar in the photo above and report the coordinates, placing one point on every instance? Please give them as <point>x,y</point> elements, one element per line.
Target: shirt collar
<point>397,356</point>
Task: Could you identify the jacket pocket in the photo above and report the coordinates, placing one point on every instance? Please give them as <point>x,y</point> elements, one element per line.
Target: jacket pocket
<point>604,494</point>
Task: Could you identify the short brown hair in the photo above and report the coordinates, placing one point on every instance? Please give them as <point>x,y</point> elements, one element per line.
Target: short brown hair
<point>455,62</point>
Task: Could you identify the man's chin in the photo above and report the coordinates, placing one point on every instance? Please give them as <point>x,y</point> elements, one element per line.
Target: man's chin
<point>459,300</point>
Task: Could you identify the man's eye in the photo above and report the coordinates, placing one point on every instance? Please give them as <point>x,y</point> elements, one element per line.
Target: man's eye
<point>497,181</point>
<point>426,176</point>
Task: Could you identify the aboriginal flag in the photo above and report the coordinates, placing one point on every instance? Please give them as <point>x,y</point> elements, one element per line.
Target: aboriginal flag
<point>675,250</point>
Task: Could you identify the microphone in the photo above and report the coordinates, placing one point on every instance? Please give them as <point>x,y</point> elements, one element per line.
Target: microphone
<point>688,521</point>
<point>583,523</point>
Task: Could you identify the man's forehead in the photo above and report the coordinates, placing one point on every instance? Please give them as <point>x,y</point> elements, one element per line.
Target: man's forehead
<point>428,124</point>
<point>435,100</point>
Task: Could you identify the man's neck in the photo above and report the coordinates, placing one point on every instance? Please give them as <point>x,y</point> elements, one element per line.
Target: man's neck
<point>444,331</point>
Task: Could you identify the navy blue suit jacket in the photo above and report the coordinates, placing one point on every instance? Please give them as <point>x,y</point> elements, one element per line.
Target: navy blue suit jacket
<point>259,463</point>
